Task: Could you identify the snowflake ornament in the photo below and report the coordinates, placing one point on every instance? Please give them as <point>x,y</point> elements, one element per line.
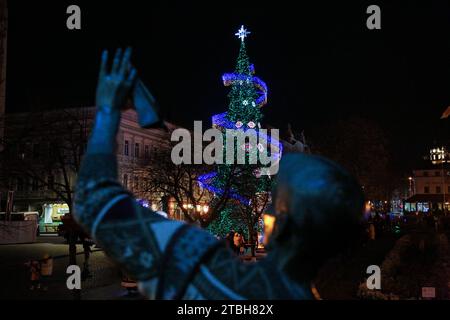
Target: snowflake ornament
<point>251,124</point>
<point>239,124</point>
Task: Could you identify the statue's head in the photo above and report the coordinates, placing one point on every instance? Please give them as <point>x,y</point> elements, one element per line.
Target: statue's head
<point>317,206</point>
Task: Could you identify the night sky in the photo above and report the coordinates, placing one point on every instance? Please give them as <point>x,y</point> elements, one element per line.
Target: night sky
<point>319,60</point>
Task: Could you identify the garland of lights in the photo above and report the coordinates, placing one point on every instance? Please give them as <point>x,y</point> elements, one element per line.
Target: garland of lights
<point>235,78</point>
<point>205,181</point>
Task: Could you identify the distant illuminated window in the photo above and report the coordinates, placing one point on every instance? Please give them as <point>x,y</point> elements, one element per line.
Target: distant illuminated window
<point>408,206</point>
<point>423,207</point>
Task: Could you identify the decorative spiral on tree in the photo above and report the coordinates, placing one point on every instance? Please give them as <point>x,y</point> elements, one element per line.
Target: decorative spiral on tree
<point>234,78</point>
<point>221,121</point>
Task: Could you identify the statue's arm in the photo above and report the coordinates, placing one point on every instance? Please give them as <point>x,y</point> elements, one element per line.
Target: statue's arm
<point>102,206</point>
<point>161,254</point>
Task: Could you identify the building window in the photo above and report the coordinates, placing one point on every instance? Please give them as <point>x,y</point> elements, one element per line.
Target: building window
<point>146,151</point>
<point>408,206</point>
<point>426,190</point>
<point>448,189</point>
<point>423,207</point>
<point>437,173</point>
<point>125,180</point>
<point>438,189</point>
<point>136,150</point>
<point>425,173</point>
<point>126,148</point>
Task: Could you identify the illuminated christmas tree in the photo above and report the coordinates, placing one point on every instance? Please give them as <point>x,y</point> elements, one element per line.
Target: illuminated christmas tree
<point>242,184</point>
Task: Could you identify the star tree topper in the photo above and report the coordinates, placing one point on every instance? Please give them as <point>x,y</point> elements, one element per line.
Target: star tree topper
<point>242,33</point>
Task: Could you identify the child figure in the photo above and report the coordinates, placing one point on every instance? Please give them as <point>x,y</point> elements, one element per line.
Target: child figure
<point>35,274</point>
<point>46,270</point>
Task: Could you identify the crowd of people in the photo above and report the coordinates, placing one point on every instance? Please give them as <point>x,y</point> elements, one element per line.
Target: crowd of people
<point>383,223</point>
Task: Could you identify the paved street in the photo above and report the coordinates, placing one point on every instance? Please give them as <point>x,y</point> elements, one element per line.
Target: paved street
<point>14,276</point>
<point>103,285</point>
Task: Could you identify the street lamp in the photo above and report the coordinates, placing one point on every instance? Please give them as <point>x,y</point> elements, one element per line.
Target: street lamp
<point>410,185</point>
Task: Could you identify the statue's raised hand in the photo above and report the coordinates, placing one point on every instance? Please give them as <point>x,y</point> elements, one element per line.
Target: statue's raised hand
<point>114,85</point>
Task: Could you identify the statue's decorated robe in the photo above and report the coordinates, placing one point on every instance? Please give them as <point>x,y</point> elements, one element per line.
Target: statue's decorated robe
<point>169,259</point>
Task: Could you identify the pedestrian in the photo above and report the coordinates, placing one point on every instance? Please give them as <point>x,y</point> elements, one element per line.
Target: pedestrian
<point>35,274</point>
<point>241,244</point>
<point>388,222</point>
<point>129,284</point>
<point>229,239</point>
<point>377,223</point>
<point>256,239</point>
<point>436,222</point>
<point>237,242</point>
<point>372,231</point>
<point>46,270</point>
<point>86,273</point>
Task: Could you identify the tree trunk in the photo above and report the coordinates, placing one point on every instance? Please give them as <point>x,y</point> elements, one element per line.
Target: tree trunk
<point>251,239</point>
<point>72,247</point>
